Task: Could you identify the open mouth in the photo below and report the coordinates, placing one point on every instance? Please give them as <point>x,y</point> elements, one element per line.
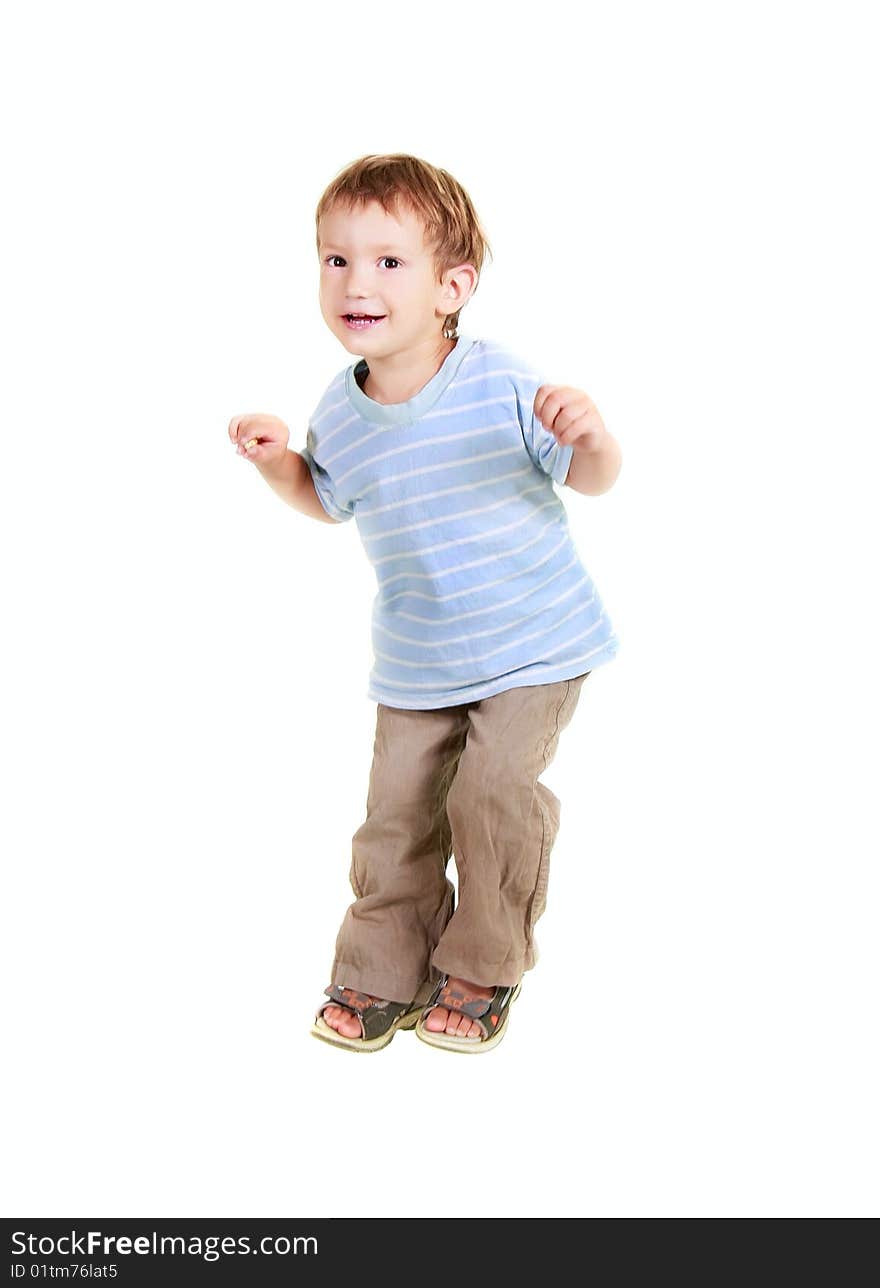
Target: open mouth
<point>360,321</point>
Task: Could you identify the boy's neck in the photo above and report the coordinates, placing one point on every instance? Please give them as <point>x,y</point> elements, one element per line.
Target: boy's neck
<point>396,380</point>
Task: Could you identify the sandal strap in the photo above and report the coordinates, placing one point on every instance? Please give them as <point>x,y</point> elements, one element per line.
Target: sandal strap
<point>349,997</point>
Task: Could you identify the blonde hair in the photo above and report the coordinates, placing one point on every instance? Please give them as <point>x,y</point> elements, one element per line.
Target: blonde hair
<point>452,228</point>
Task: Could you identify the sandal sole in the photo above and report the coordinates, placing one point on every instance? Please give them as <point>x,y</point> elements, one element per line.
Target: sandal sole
<point>467,1046</point>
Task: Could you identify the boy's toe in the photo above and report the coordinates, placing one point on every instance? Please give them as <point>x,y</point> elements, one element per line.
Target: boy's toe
<point>441,1020</point>
<point>436,1020</point>
<point>342,1021</point>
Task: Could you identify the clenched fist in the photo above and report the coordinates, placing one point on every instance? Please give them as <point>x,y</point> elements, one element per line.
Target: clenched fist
<point>262,439</point>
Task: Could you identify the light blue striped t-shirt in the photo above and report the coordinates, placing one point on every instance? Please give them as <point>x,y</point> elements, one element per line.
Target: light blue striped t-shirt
<point>480,586</point>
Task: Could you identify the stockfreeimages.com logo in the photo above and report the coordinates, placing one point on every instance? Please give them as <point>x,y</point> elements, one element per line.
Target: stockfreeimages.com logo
<point>211,1247</point>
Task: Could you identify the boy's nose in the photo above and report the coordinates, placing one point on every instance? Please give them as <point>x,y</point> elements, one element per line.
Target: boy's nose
<point>354,288</point>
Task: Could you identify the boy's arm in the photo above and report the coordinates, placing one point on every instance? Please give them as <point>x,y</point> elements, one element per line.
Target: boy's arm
<point>292,480</point>
<point>593,472</point>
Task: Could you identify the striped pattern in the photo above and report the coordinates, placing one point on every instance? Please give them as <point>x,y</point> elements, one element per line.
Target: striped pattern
<point>480,586</point>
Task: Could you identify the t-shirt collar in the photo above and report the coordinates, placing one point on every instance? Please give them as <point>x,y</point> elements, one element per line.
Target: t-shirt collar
<point>413,408</point>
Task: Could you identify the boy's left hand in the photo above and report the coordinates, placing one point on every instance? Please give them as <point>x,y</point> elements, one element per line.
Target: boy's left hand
<point>571,416</point>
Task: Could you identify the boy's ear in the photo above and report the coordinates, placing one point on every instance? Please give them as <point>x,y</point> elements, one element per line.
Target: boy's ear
<point>460,283</point>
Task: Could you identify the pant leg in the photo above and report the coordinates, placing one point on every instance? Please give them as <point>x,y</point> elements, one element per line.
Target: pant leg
<point>399,856</point>
<point>504,823</point>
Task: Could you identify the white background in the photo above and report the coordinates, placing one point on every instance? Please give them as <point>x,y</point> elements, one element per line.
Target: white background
<point>680,204</point>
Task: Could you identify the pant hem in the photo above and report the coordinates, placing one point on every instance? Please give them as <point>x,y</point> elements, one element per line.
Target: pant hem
<point>488,974</point>
<point>385,984</point>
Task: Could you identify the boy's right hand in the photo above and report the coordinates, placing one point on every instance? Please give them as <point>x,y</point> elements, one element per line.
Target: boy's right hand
<point>262,439</point>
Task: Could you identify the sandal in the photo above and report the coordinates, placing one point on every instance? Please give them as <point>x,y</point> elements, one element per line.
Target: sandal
<point>379,1020</point>
<point>489,1012</point>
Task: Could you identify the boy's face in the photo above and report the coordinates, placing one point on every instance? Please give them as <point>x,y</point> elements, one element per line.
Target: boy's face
<point>377,263</point>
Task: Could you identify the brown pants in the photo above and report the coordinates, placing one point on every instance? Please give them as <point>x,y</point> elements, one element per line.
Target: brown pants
<point>462,779</point>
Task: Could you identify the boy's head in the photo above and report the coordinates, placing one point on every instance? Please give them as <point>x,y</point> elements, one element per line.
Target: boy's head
<point>397,238</point>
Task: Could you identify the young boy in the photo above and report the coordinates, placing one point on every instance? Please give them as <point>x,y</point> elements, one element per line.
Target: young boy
<point>445,449</point>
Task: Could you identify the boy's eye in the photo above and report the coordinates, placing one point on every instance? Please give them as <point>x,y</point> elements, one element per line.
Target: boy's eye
<point>385,258</point>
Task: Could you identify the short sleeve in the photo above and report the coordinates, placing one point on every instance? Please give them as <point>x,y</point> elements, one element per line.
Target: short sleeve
<point>324,483</point>
<point>546,451</point>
